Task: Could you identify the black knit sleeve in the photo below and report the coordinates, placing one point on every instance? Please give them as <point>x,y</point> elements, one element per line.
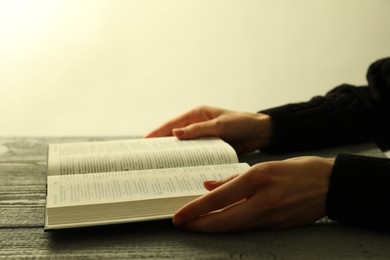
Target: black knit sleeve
<point>359,191</point>
<point>346,115</point>
<point>359,186</point>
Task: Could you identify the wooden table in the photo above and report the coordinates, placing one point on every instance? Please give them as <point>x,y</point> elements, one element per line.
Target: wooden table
<point>22,199</point>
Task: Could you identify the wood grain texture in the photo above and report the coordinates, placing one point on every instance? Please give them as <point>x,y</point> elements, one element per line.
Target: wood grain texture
<point>161,240</point>
<point>22,200</point>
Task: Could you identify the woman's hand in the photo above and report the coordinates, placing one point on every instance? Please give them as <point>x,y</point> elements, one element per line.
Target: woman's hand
<point>246,132</point>
<point>271,195</point>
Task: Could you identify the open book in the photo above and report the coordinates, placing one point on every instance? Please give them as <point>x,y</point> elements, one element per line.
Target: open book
<point>111,182</point>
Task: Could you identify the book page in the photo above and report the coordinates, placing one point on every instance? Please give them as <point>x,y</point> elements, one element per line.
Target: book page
<point>113,187</point>
<point>137,154</point>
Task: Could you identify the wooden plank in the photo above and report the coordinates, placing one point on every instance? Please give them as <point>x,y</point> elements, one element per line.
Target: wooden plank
<point>34,149</point>
<point>22,194</point>
<point>22,199</point>
<point>28,175</point>
<point>161,240</point>
<point>14,216</point>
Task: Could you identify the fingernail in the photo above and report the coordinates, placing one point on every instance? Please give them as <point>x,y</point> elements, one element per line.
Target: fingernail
<point>178,220</point>
<point>207,182</point>
<point>178,132</point>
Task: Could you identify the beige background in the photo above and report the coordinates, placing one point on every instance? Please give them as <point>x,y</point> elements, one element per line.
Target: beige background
<point>123,67</point>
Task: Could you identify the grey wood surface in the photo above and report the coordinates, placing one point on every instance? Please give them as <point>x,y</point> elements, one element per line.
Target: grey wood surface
<point>22,199</point>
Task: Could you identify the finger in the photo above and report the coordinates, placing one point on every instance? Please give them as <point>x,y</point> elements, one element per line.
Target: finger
<point>219,198</point>
<point>196,130</point>
<point>248,213</point>
<point>211,185</point>
<point>237,217</point>
<point>159,132</point>
<point>193,116</point>
<point>165,129</point>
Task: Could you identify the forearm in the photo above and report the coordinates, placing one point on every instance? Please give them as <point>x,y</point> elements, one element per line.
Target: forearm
<point>359,191</point>
<point>346,115</point>
<point>338,118</point>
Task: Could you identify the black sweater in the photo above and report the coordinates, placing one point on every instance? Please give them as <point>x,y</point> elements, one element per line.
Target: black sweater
<point>359,189</point>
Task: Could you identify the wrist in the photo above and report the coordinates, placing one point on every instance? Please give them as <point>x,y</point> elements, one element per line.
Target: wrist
<point>265,130</point>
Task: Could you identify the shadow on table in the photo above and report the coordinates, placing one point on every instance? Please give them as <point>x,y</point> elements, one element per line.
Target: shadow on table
<point>162,240</point>
<point>369,149</point>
